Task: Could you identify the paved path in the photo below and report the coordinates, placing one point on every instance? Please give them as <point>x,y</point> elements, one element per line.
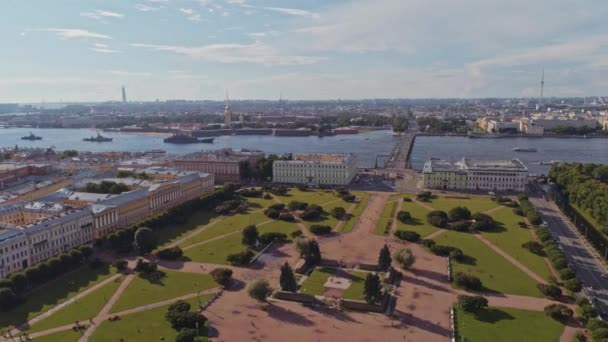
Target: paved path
<point>341,223</point>
<point>395,223</point>
<point>436,234</point>
<point>64,304</point>
<point>101,316</point>
<point>422,204</point>
<point>161,303</point>
<point>222,236</point>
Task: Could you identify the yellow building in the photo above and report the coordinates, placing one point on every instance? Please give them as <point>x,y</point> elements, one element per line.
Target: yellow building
<point>443,174</point>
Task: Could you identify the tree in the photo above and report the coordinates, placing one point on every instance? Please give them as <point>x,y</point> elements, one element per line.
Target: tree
<point>534,247</point>
<point>19,281</point>
<point>171,253</point>
<point>187,335</point>
<point>288,280</point>
<point>86,251</point>
<point>549,290</point>
<point>8,299</point>
<point>404,216</point>
<point>250,235</point>
<point>241,258</point>
<point>145,241</point>
<point>573,285</point>
<point>437,218</point>
<point>407,235</point>
<point>405,258</point>
<point>259,289</point>
<point>558,312</point>
<point>338,212</point>
<point>372,288</point>
<point>120,264</point>
<point>180,316</point>
<point>296,205</point>
<point>222,276</point>
<point>384,259</point>
<point>319,229</point>
<point>472,303</point>
<point>468,281</point>
<point>459,214</point>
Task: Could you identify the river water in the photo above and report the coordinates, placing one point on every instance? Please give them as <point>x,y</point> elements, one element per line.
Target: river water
<point>549,149</point>
<point>366,145</point>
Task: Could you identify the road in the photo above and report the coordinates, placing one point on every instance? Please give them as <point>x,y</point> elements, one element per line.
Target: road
<point>588,268</point>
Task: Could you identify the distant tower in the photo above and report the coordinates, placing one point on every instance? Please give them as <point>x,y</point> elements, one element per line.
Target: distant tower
<point>124,95</point>
<point>241,119</point>
<point>227,113</point>
<point>542,84</point>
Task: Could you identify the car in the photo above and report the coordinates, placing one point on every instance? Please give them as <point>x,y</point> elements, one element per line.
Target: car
<point>604,276</point>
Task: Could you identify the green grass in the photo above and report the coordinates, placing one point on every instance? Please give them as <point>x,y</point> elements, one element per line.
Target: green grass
<point>387,215</point>
<point>495,272</point>
<point>259,203</point>
<point>215,252</point>
<point>53,293</point>
<point>174,284</point>
<point>278,227</point>
<point>227,224</point>
<point>318,197</point>
<point>507,325</point>
<point>63,336</point>
<point>356,213</point>
<point>327,219</point>
<point>509,237</point>
<point>81,310</point>
<point>474,203</point>
<point>147,325</point>
<point>174,232</point>
<point>588,217</point>
<point>355,291</point>
<point>419,223</point>
<point>315,281</point>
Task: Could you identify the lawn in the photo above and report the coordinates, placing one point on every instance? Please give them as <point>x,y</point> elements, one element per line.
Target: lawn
<point>226,225</point>
<point>174,284</point>
<point>215,252</point>
<point>418,224</point>
<point>81,310</point>
<point>387,215</point>
<point>318,197</point>
<point>315,281</point>
<point>278,227</point>
<point>174,232</point>
<point>259,203</point>
<point>363,198</point>
<point>474,203</point>
<point>355,291</point>
<point>63,336</point>
<point>509,237</point>
<point>495,272</point>
<point>53,293</point>
<point>507,325</point>
<point>147,325</point>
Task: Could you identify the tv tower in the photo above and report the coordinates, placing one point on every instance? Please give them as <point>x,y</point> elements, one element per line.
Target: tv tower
<point>124,95</point>
<point>542,84</point>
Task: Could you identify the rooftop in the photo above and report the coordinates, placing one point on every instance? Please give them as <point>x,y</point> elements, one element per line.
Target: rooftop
<point>223,155</point>
<point>322,158</point>
<point>436,165</point>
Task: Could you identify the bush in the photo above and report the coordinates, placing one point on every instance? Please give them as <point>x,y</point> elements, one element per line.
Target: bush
<point>443,250</point>
<point>187,335</point>
<point>407,235</point>
<point>425,196</point>
<point>404,216</point>
<point>338,213</point>
<point>407,199</point>
<point>472,303</point>
<point>459,214</point>
<point>534,247</point>
<point>171,253</point>
<point>558,312</point>
<point>312,212</point>
<point>302,187</point>
<point>222,276</point>
<point>120,264</point>
<point>551,291</point>
<point>404,257</point>
<point>8,299</point>
<point>259,290</point>
<point>272,213</point>
<point>296,205</point>
<point>483,222</point>
<point>573,285</point>
<point>318,229</point>
<point>567,273</point>
<point>269,237</point>
<point>468,281</point>
<point>517,211</point>
<point>250,235</point>
<point>286,217</point>
<point>296,234</point>
<point>428,243</point>
<point>460,227</point>
<point>349,198</point>
<point>456,254</point>
<point>437,218</point>
<point>277,206</point>
<point>240,259</point>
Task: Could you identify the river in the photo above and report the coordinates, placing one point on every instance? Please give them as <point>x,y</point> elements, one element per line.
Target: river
<point>548,149</point>
<point>365,145</point>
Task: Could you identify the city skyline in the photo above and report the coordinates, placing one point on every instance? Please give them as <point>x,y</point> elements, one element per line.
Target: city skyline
<point>196,49</point>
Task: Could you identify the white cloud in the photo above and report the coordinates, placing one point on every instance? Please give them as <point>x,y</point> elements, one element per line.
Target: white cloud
<point>294,11</point>
<point>102,14</point>
<point>191,14</point>
<point>147,8</point>
<point>104,50</point>
<point>256,53</point>
<point>129,73</point>
<point>74,33</point>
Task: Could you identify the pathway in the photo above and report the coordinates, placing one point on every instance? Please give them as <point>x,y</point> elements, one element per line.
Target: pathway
<point>101,316</point>
<point>342,222</point>
<point>222,236</point>
<point>395,223</point>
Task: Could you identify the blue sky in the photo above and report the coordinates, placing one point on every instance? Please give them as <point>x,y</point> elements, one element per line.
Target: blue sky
<point>77,50</point>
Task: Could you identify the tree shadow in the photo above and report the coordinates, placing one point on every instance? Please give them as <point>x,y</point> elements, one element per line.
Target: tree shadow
<point>287,316</point>
<point>467,260</point>
<point>422,283</point>
<point>422,324</point>
<point>492,315</point>
<point>440,277</point>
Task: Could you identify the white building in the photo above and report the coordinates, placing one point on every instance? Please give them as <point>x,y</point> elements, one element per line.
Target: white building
<point>14,250</point>
<point>487,175</point>
<point>316,169</point>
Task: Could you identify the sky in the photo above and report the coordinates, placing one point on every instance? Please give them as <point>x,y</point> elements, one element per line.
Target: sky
<point>85,50</point>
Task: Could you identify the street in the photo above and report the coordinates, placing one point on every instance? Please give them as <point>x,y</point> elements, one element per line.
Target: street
<point>588,269</point>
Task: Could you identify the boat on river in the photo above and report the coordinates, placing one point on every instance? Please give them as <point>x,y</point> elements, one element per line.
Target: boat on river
<point>98,138</point>
<point>31,137</point>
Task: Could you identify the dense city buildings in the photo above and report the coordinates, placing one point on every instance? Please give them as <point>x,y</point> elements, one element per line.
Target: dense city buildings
<point>316,169</point>
<point>13,172</point>
<point>226,165</point>
<point>475,175</point>
<point>31,232</point>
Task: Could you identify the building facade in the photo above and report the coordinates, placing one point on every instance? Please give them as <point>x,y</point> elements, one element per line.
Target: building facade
<point>475,175</point>
<point>316,169</point>
<point>224,165</point>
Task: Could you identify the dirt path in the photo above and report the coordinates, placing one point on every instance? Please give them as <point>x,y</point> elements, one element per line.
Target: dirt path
<point>162,303</point>
<point>64,304</point>
<point>422,204</point>
<point>490,211</point>
<point>341,223</point>
<point>101,316</point>
<point>395,223</point>
<point>511,259</point>
<point>371,214</point>
<point>222,236</point>
<point>436,234</point>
